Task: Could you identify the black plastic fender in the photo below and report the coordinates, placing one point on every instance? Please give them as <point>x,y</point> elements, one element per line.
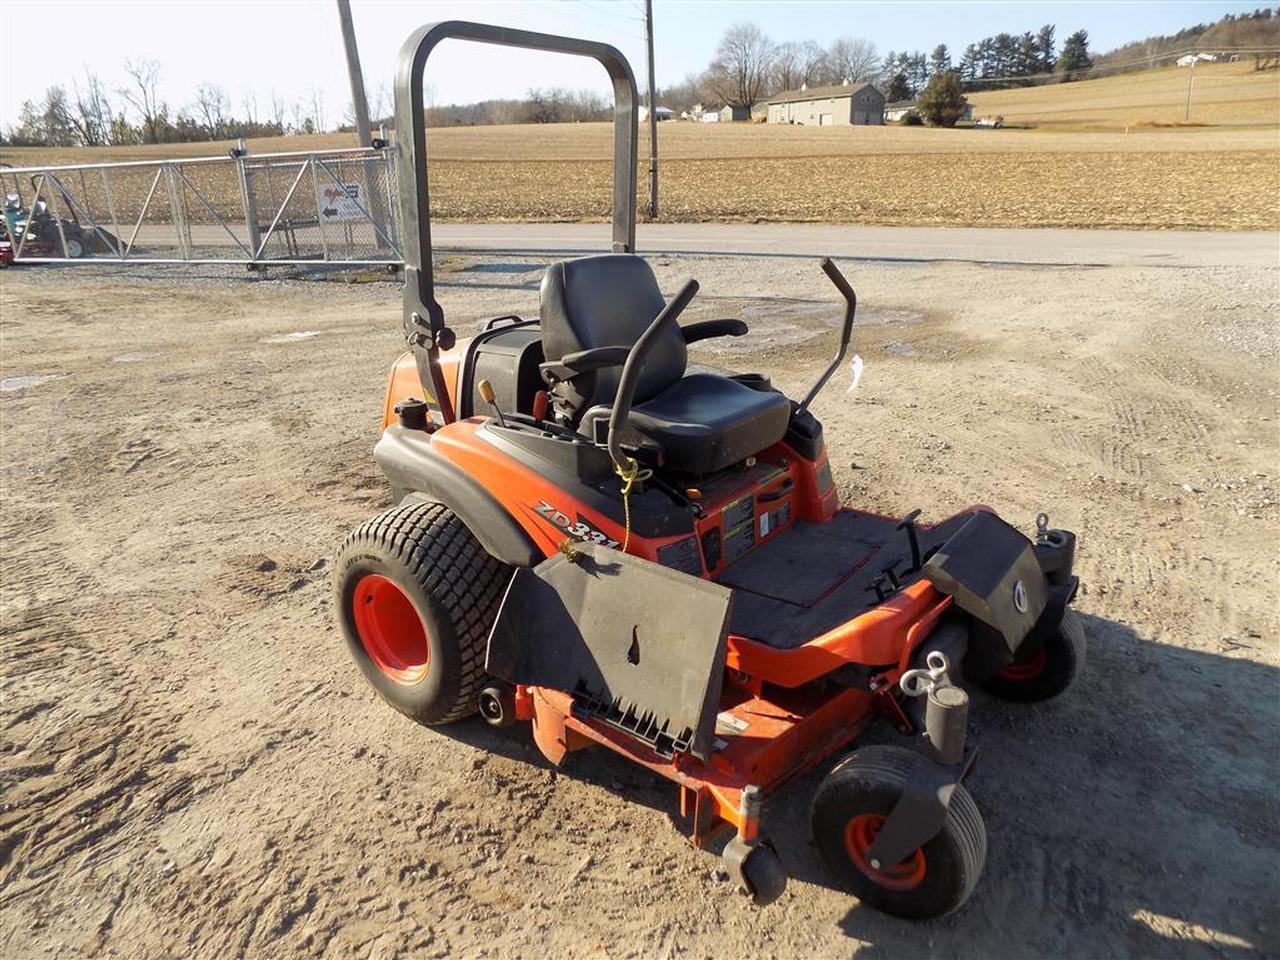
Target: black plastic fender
<point>410,463</point>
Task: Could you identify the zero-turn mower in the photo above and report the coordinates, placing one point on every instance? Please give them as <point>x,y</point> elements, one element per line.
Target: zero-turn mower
<point>592,539</point>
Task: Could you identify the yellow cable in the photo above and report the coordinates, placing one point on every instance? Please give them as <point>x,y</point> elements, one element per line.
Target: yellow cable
<point>630,474</point>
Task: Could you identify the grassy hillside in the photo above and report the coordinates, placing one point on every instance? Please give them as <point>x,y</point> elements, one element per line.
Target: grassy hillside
<point>1224,93</point>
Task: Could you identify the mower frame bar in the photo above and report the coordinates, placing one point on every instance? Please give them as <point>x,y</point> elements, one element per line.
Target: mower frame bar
<point>850,311</point>
<point>415,204</point>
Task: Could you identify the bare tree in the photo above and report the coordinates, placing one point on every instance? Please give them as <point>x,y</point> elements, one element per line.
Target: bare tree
<point>681,96</point>
<point>739,75</point>
<point>582,106</point>
<point>381,102</point>
<point>250,105</point>
<point>143,97</point>
<point>302,122</point>
<point>214,106</point>
<point>92,117</point>
<point>854,60</point>
<point>56,119</point>
<point>277,109</point>
<point>786,66</point>
<point>543,106</point>
<point>317,109</point>
<point>813,67</point>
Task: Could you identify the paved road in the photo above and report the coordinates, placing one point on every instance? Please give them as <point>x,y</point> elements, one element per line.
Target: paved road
<point>1047,246</point>
<point>847,242</point>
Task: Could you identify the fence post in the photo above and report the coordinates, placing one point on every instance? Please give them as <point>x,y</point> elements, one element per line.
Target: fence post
<point>176,212</point>
<point>389,171</point>
<point>240,152</point>
<point>111,207</point>
<point>315,195</point>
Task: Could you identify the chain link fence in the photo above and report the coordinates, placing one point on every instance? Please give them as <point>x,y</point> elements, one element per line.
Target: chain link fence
<point>335,206</point>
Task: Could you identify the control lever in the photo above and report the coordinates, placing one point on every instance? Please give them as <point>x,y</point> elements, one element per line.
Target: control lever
<point>487,395</point>
<point>630,377</point>
<point>908,523</point>
<point>851,307</point>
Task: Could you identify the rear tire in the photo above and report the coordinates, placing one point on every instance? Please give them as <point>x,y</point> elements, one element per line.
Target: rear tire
<point>1043,670</point>
<point>852,804</point>
<point>417,596</point>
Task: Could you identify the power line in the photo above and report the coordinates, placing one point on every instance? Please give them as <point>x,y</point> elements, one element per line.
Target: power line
<point>613,28</point>
<point>610,13</point>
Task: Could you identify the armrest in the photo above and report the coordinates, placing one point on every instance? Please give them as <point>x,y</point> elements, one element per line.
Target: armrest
<point>706,329</point>
<point>584,361</point>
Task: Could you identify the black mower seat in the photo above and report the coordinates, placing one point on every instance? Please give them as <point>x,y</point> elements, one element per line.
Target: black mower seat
<point>703,422</point>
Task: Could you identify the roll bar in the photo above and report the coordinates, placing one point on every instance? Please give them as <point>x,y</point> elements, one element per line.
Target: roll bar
<point>423,317</point>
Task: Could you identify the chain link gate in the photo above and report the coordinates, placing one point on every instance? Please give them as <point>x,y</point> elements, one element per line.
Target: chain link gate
<point>304,207</point>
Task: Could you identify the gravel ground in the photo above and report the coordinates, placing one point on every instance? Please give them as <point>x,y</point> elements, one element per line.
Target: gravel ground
<point>191,765</point>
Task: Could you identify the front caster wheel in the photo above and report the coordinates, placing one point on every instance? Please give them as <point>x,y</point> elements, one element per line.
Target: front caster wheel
<point>762,877</point>
<point>497,705</point>
<point>851,806</point>
<point>1043,669</point>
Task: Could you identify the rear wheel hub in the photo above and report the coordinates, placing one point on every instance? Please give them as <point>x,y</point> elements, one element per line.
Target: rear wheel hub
<point>390,629</point>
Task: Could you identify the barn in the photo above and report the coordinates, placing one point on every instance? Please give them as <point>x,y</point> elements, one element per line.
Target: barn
<point>841,105</point>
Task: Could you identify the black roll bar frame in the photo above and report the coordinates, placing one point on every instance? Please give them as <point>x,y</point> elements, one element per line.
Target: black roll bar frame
<point>424,323</point>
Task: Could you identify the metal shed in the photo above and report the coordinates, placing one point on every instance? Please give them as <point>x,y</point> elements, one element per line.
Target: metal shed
<point>840,105</point>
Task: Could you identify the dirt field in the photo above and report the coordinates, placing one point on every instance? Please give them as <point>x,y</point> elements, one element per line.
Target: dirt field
<point>192,766</point>
<point>1100,176</point>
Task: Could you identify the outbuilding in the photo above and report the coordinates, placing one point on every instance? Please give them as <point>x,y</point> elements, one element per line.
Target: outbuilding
<point>893,112</point>
<point>735,111</point>
<point>840,105</point>
<point>661,113</point>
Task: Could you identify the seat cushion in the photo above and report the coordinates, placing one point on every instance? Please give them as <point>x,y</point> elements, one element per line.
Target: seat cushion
<point>606,301</point>
<point>705,422</point>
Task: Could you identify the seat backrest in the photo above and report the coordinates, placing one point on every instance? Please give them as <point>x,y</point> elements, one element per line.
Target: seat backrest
<point>606,301</point>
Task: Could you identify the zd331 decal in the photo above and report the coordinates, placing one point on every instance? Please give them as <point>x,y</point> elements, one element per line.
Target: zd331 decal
<point>576,529</point>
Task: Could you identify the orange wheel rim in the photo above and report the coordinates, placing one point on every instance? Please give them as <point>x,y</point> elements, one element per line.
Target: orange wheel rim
<point>390,630</point>
<point>859,833</point>
<point>1020,672</point>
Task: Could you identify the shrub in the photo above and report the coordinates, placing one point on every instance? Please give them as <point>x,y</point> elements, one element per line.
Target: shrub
<point>943,102</point>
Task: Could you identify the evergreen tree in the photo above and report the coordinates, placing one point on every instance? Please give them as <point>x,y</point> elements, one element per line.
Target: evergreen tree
<point>986,58</point>
<point>1074,60</point>
<point>939,60</point>
<point>943,102</point>
<point>888,67</point>
<point>1005,50</point>
<point>897,89</point>
<point>1044,39</point>
<point>918,72</point>
<point>1028,55</point>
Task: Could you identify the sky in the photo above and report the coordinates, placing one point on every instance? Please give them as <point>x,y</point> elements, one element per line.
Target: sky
<point>261,47</point>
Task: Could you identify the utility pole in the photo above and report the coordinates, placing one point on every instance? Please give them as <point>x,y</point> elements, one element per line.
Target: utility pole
<point>653,114</point>
<point>358,99</point>
<point>1191,79</point>
<point>360,105</point>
